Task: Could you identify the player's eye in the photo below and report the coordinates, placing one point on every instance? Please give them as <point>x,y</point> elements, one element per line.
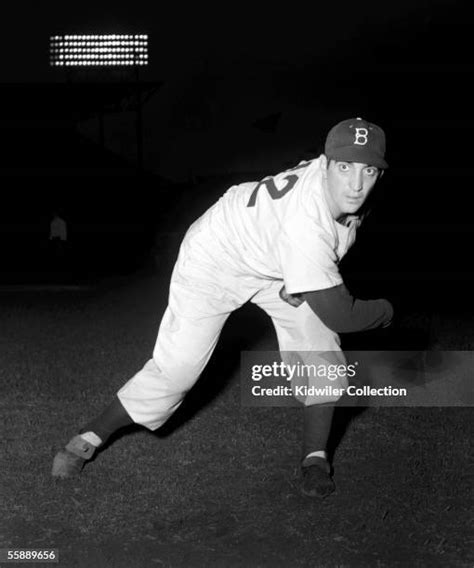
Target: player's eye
<point>343,166</point>
<point>371,171</point>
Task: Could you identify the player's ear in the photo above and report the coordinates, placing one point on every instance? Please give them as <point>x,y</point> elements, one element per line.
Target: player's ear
<point>381,172</point>
<point>324,165</point>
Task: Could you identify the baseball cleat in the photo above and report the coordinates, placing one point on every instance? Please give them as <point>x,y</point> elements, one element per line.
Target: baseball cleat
<point>317,480</point>
<point>70,461</point>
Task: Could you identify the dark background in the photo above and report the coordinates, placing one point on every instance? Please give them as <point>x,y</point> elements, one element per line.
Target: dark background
<point>407,66</point>
<point>233,92</point>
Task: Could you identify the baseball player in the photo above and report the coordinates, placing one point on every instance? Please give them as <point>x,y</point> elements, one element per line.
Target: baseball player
<point>276,243</point>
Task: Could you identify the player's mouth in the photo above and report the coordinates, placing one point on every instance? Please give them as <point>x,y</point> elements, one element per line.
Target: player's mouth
<point>355,200</point>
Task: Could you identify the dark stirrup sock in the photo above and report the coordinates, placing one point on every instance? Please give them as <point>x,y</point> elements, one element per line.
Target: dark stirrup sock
<point>317,426</point>
<point>112,419</point>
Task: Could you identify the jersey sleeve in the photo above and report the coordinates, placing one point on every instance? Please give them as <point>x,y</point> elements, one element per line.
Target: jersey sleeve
<point>307,258</point>
<point>343,313</point>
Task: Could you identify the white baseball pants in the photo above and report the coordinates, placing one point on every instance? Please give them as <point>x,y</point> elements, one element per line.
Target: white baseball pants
<point>206,287</point>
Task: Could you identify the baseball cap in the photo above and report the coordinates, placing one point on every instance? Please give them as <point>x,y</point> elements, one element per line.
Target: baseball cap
<point>356,140</point>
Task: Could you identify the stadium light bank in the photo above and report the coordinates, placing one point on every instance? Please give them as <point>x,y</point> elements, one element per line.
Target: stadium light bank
<point>103,57</point>
<point>93,50</point>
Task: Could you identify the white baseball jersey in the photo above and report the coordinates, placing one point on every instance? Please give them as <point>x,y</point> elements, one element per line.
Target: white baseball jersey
<point>281,228</point>
<point>256,236</point>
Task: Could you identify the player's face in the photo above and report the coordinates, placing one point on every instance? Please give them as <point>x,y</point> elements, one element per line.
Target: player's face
<point>348,186</point>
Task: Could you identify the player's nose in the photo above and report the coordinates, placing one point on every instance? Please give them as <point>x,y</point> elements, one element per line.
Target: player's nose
<point>356,181</point>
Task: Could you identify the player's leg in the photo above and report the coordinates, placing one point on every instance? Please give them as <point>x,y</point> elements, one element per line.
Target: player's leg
<point>187,337</point>
<point>154,393</point>
<point>83,446</point>
<point>304,339</point>
<point>315,467</point>
<point>188,334</point>
<point>112,419</point>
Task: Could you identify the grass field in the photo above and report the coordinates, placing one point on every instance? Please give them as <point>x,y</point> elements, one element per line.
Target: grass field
<point>218,485</point>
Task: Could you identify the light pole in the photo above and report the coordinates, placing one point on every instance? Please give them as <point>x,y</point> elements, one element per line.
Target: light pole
<point>107,52</point>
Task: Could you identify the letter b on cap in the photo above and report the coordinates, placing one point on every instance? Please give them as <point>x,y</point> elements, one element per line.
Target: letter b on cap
<point>361,136</point>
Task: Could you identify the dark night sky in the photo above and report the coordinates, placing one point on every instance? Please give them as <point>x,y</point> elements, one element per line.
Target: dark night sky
<point>406,64</point>
<point>184,34</point>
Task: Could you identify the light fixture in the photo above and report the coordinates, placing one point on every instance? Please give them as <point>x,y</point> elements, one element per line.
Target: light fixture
<point>104,50</point>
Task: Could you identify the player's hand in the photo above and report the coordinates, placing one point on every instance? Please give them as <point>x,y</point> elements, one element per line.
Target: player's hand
<point>294,300</point>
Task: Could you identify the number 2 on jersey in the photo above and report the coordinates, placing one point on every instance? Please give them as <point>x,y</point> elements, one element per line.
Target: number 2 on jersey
<point>272,189</point>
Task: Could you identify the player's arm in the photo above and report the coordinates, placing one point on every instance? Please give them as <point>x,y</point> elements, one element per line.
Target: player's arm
<point>341,312</point>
